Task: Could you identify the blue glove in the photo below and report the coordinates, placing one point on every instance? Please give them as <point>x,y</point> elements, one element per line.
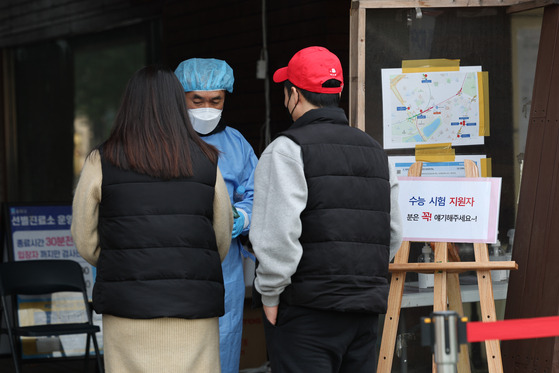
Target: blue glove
<point>238,225</point>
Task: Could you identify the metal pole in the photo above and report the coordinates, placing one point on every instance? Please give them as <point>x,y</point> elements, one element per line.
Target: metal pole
<point>446,346</point>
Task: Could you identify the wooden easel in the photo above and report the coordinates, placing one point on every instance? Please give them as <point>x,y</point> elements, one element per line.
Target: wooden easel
<point>446,285</point>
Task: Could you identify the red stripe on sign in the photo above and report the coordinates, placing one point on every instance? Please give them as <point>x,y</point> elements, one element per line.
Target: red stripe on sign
<point>539,327</point>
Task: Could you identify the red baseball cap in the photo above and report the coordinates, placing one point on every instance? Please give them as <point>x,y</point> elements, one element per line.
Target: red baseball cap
<point>309,68</point>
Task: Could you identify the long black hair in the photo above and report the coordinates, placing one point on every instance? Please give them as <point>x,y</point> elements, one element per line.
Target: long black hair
<point>152,133</point>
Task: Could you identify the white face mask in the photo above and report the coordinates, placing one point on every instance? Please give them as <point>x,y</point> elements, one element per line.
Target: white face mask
<point>204,120</point>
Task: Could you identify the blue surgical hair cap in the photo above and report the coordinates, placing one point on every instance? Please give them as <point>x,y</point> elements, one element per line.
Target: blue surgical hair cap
<point>205,74</point>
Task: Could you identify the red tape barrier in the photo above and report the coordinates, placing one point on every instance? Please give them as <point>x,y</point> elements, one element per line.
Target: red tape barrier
<point>539,327</point>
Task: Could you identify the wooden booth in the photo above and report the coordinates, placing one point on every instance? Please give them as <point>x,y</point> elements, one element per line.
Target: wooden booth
<point>521,137</point>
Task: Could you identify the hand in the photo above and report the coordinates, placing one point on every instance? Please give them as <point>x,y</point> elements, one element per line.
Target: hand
<point>271,314</point>
<point>238,225</point>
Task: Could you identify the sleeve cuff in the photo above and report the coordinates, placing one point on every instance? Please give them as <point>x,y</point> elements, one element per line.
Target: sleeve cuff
<point>270,300</point>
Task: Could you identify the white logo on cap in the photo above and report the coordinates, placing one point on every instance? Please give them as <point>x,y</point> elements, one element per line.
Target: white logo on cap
<point>333,72</point>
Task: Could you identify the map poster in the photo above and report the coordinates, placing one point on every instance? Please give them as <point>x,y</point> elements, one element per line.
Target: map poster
<point>447,209</point>
<point>431,107</point>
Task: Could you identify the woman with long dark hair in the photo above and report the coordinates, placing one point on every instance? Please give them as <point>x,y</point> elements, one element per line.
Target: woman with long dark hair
<point>152,213</point>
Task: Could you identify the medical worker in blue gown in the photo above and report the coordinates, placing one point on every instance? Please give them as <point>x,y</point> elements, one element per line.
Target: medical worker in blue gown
<point>205,81</point>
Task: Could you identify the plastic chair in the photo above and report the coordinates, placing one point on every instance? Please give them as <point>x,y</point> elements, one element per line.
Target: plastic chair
<point>36,277</point>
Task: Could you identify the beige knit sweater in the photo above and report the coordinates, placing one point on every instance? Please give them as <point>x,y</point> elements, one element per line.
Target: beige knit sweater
<point>157,345</point>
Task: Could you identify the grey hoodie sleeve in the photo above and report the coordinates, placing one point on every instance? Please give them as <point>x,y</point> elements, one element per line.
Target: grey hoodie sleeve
<point>280,195</point>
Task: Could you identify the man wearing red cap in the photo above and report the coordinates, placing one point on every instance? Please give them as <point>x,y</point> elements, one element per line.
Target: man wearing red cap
<point>325,225</point>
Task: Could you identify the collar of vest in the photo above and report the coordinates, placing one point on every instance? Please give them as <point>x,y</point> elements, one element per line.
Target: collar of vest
<point>334,115</point>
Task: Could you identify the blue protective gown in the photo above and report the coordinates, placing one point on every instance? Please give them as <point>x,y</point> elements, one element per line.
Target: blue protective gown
<point>237,162</point>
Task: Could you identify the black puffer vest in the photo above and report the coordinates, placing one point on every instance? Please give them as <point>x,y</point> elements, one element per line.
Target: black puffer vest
<point>346,224</point>
<point>158,255</point>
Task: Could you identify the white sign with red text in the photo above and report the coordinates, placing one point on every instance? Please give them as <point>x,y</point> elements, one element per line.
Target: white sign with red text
<point>443,209</point>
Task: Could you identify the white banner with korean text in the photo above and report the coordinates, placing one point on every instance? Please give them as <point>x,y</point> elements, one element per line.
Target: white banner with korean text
<point>443,209</point>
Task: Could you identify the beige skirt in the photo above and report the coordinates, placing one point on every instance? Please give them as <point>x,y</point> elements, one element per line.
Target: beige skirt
<point>167,345</point>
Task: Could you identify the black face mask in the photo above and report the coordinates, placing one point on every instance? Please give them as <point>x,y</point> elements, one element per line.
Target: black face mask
<point>290,113</point>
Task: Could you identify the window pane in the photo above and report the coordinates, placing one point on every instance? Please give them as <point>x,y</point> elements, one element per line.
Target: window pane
<point>101,71</point>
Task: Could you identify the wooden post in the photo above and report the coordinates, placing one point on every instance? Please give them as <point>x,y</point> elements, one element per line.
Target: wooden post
<point>455,304</point>
<point>486,299</point>
<point>357,67</point>
<point>395,298</point>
